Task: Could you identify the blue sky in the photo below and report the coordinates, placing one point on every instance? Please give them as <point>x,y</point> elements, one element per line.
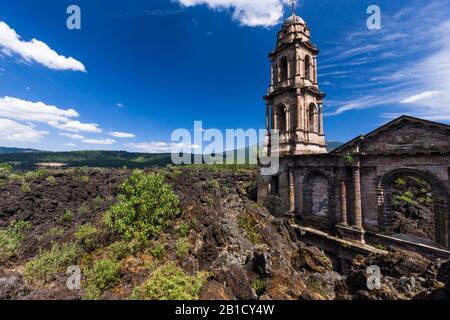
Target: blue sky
<point>137,70</point>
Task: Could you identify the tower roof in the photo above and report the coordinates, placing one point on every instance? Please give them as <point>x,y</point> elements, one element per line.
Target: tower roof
<point>294,19</point>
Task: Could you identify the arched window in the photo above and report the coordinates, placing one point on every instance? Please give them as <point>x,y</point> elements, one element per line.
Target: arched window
<point>281,115</point>
<point>283,68</point>
<point>308,67</point>
<point>312,118</point>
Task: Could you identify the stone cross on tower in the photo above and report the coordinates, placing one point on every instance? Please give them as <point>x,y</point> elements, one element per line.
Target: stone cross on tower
<point>293,5</point>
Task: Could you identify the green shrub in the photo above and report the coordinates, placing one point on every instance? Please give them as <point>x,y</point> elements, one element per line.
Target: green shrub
<point>11,239</point>
<point>103,275</point>
<point>146,206</point>
<point>247,223</point>
<point>87,235</point>
<point>183,230</point>
<point>48,263</point>
<point>5,170</point>
<point>259,286</point>
<point>182,247</point>
<point>53,232</point>
<point>51,180</point>
<point>170,282</point>
<point>157,250</point>
<point>120,249</point>
<point>67,216</point>
<point>83,209</point>
<point>25,187</point>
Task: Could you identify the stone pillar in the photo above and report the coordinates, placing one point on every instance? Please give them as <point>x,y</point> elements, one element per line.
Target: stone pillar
<point>343,192</point>
<point>321,118</point>
<point>291,191</point>
<point>356,175</point>
<point>267,118</point>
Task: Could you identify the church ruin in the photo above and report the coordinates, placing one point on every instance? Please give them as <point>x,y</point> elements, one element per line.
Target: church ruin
<point>347,195</point>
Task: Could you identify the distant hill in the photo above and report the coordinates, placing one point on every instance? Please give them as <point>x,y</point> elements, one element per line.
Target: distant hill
<point>29,158</point>
<point>6,150</point>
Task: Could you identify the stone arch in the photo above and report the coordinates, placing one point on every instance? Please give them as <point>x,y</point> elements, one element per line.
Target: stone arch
<point>440,202</point>
<point>308,67</point>
<point>317,194</point>
<point>281,117</point>
<point>312,118</point>
<point>283,68</point>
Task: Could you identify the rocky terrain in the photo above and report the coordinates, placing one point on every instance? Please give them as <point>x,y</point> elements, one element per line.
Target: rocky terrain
<point>222,245</point>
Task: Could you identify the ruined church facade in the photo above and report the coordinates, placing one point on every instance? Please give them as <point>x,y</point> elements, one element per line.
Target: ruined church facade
<point>347,193</point>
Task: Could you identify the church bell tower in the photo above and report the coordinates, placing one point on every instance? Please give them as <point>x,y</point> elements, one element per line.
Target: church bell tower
<point>294,102</point>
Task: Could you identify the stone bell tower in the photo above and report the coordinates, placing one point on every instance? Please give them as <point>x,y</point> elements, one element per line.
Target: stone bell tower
<point>294,103</point>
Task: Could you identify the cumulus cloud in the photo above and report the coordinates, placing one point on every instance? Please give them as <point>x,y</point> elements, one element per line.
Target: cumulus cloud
<point>13,131</point>
<point>36,51</point>
<point>99,141</point>
<point>18,109</point>
<point>77,126</point>
<point>72,136</point>
<point>160,147</point>
<point>247,12</point>
<point>122,135</point>
<point>22,110</point>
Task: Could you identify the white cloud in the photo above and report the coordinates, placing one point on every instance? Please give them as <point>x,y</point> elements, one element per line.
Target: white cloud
<point>247,12</point>
<point>22,110</point>
<point>122,135</point>
<point>71,145</point>
<point>99,141</point>
<point>420,97</point>
<point>72,136</point>
<point>120,105</point>
<point>13,131</point>
<point>77,126</point>
<point>160,147</point>
<point>35,50</point>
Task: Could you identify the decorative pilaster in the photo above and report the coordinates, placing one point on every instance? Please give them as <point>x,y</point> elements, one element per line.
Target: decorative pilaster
<point>291,191</point>
<point>343,196</point>
<point>357,209</point>
<point>321,118</point>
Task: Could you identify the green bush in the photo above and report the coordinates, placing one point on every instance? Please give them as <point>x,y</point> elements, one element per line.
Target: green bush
<point>103,275</point>
<point>170,282</point>
<point>67,216</point>
<point>25,187</point>
<point>48,263</point>
<point>120,249</point>
<point>51,180</point>
<point>183,230</point>
<point>247,223</point>
<point>259,286</point>
<point>182,247</point>
<point>157,251</point>
<point>5,170</point>
<point>11,239</point>
<point>87,235</point>
<point>146,206</point>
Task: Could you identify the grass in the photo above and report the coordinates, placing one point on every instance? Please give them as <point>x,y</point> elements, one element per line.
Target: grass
<point>259,285</point>
<point>183,229</point>
<point>247,223</point>
<point>103,275</point>
<point>43,268</point>
<point>87,236</point>
<point>170,282</point>
<point>67,216</point>
<point>157,250</point>
<point>11,239</point>
<point>182,247</point>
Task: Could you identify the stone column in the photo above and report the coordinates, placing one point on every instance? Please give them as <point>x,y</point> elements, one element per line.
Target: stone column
<point>356,175</point>
<point>343,189</point>
<point>268,118</point>
<point>291,191</point>
<point>321,118</point>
